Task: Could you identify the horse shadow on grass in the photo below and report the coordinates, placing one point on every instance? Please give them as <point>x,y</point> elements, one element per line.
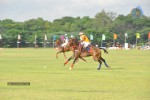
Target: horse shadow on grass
<point>111,68</point>
<point>90,91</point>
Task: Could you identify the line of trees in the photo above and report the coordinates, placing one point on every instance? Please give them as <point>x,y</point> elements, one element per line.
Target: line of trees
<point>104,22</point>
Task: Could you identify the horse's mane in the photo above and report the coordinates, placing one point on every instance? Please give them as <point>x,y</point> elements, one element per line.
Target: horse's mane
<point>76,41</point>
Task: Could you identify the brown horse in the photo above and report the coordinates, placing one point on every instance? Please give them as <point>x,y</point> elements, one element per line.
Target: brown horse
<point>79,53</point>
<point>61,49</point>
<point>64,49</point>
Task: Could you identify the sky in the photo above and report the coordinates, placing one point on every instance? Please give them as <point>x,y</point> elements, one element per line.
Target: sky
<point>22,10</point>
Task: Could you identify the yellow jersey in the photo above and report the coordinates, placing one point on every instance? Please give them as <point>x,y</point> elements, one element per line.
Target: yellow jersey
<point>84,38</point>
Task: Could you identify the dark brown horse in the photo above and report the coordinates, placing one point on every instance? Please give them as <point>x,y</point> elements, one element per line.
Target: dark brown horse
<point>79,53</point>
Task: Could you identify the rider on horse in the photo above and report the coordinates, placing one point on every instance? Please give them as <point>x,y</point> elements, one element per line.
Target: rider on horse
<point>65,41</point>
<point>85,42</point>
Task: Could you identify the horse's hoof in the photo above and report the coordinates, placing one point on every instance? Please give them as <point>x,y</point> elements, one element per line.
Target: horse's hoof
<point>109,67</point>
<point>98,68</point>
<point>70,68</point>
<point>65,63</point>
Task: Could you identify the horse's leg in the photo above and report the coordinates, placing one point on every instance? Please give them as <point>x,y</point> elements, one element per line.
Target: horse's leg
<point>76,56</point>
<point>104,62</point>
<point>64,52</point>
<point>71,67</point>
<point>83,59</point>
<point>64,55</point>
<point>57,54</point>
<point>100,64</point>
<point>78,53</point>
<point>69,59</point>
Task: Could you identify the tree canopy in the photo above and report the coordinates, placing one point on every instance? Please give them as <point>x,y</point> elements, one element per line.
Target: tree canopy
<point>106,23</point>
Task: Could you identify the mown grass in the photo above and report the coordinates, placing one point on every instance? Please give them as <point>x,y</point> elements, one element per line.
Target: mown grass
<point>128,78</point>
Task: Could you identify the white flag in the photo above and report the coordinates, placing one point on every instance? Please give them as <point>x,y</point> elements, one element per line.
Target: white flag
<point>0,36</point>
<point>103,37</point>
<point>91,37</point>
<point>45,37</point>
<point>126,35</point>
<point>19,37</point>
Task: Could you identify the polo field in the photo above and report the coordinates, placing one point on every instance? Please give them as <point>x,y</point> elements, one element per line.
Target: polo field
<point>128,77</point>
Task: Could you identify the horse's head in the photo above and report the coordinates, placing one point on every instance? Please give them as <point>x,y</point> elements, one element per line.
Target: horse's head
<point>72,42</point>
<point>58,43</point>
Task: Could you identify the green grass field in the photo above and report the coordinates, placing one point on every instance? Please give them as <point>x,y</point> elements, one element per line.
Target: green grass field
<point>128,78</point>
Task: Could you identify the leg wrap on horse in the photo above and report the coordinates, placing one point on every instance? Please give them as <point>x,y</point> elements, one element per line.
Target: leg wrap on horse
<point>104,62</point>
<point>100,64</point>
<point>99,67</point>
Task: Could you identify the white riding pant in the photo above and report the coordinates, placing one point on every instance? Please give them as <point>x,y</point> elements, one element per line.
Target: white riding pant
<point>85,44</point>
<point>64,44</point>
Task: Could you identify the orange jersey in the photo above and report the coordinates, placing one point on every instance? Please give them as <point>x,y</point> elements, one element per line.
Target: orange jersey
<point>84,38</point>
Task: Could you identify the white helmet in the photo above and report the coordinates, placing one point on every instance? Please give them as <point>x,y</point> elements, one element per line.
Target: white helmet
<point>81,33</point>
<point>65,34</point>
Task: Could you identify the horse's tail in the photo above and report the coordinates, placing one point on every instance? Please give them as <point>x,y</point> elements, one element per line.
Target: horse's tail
<point>105,51</point>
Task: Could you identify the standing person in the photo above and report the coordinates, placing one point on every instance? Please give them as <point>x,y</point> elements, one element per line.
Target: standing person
<point>85,42</point>
<point>66,41</point>
<point>62,38</point>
